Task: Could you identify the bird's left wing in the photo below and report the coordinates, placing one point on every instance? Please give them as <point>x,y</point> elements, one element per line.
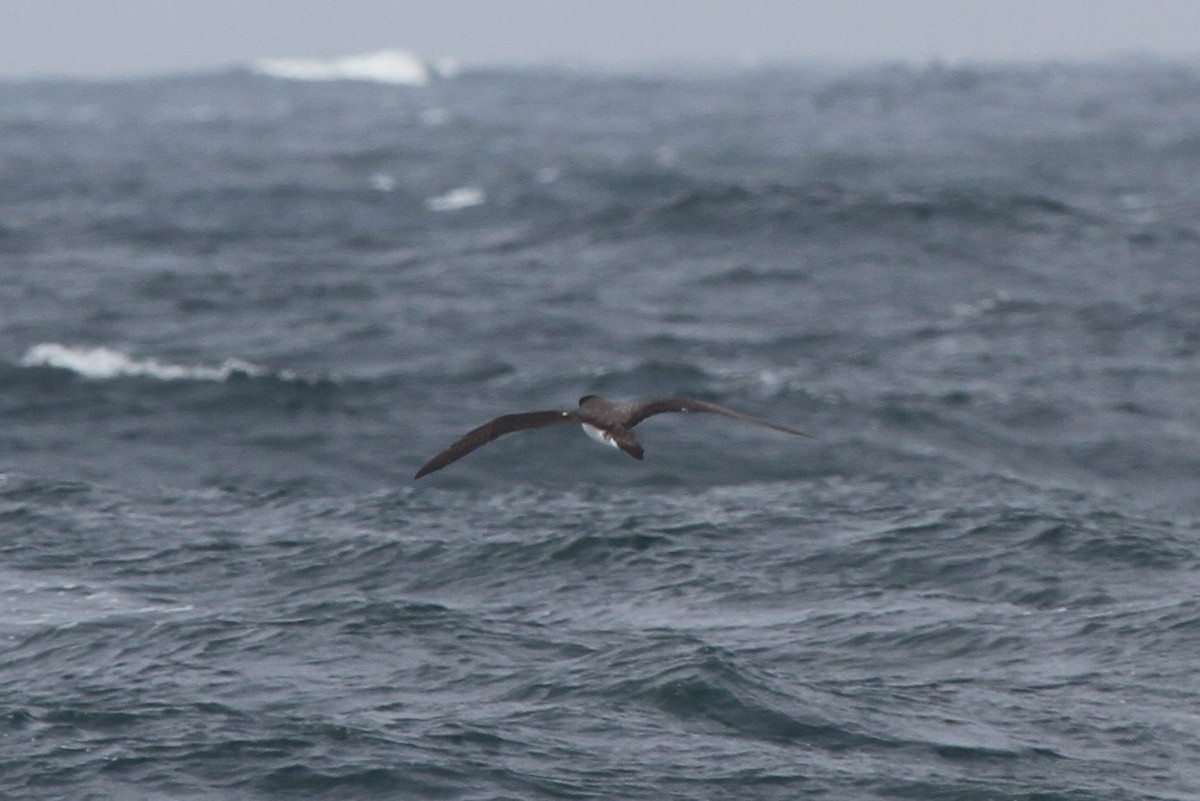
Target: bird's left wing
<point>478,437</point>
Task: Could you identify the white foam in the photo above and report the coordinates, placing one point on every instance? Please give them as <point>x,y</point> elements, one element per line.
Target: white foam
<point>383,182</point>
<point>385,66</point>
<point>462,198</point>
<point>60,601</point>
<point>101,363</point>
<point>982,306</point>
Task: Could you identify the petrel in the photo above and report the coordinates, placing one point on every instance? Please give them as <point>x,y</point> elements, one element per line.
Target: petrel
<point>604,421</point>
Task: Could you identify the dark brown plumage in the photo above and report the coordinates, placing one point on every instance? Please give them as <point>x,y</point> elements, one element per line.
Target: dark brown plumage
<point>602,419</point>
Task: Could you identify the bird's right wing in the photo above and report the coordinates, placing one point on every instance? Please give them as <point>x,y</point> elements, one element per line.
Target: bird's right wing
<point>478,437</point>
<point>643,409</point>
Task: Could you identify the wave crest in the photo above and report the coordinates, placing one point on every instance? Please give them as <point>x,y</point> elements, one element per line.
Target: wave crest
<point>385,66</point>
<point>104,363</point>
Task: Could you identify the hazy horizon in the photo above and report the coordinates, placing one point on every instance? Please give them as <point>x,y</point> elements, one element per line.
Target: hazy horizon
<point>94,39</point>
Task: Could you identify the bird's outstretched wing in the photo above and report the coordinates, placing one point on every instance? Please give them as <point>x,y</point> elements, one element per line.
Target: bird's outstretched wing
<point>478,437</point>
<point>640,410</point>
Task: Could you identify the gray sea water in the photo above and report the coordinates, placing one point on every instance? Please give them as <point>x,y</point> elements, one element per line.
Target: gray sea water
<point>237,312</point>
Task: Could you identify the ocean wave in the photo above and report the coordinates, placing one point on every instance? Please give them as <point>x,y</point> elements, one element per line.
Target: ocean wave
<point>818,205</point>
<point>51,601</point>
<point>464,197</point>
<point>386,66</point>
<point>100,363</point>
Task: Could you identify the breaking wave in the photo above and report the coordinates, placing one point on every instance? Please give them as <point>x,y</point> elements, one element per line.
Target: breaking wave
<point>386,66</point>
<point>100,363</point>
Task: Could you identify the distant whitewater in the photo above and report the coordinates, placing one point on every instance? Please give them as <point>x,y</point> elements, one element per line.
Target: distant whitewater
<point>386,66</point>
<point>102,363</point>
<point>464,197</point>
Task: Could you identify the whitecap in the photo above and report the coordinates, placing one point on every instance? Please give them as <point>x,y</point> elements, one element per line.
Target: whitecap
<point>101,363</point>
<point>385,66</point>
<point>383,182</point>
<point>59,601</point>
<point>461,198</point>
<point>981,306</point>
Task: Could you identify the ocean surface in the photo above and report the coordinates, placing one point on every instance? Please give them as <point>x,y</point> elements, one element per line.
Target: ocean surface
<point>238,310</point>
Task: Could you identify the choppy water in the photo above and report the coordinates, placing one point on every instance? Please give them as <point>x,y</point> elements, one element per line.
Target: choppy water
<point>237,313</point>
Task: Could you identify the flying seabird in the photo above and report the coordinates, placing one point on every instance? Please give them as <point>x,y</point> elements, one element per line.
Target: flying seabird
<point>604,421</point>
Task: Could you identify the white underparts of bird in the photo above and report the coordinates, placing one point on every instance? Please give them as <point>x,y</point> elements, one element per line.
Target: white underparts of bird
<point>600,435</point>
